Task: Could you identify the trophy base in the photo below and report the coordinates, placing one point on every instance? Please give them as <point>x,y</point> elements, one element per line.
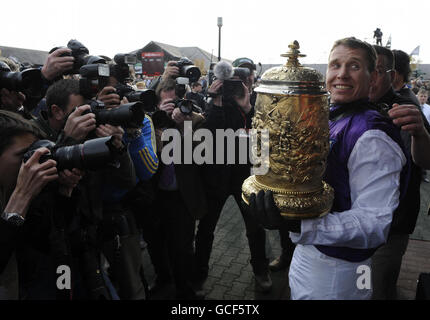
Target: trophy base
<point>294,205</point>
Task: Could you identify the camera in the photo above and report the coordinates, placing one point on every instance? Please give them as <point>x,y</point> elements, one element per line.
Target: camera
<point>120,70</point>
<point>186,106</point>
<point>81,55</point>
<point>94,77</point>
<point>129,115</point>
<point>188,70</point>
<point>233,79</point>
<point>160,118</point>
<point>123,58</point>
<point>90,155</point>
<point>147,96</point>
<point>234,87</point>
<point>28,81</point>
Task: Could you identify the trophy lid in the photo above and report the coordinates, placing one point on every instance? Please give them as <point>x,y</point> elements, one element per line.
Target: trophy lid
<point>292,78</point>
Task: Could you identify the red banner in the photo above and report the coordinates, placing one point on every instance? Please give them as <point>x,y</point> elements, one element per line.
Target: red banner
<point>152,63</point>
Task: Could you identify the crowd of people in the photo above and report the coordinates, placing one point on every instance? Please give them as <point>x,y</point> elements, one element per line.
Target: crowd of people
<point>82,182</point>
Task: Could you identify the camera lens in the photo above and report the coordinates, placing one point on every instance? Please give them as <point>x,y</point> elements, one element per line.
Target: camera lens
<point>130,115</point>
<point>191,72</point>
<point>91,155</point>
<point>186,106</point>
<point>69,157</point>
<point>10,80</point>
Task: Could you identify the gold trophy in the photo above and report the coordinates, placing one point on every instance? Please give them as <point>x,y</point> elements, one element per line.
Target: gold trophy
<point>293,105</point>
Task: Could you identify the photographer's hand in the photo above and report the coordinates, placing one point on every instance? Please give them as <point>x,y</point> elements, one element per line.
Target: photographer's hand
<point>78,126</point>
<point>11,100</point>
<point>244,100</point>
<point>168,106</point>
<point>32,178</point>
<point>214,91</point>
<point>179,117</point>
<point>171,71</point>
<point>55,65</point>
<point>108,130</point>
<point>108,96</point>
<point>124,101</point>
<point>68,180</point>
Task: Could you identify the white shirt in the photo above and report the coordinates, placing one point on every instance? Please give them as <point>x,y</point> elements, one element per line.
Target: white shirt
<point>374,168</point>
<point>426,110</point>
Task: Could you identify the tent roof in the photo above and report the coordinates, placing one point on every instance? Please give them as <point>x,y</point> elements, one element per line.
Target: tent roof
<point>25,55</point>
<point>192,53</point>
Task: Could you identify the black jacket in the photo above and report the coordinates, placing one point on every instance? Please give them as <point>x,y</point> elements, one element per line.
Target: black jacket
<point>405,216</point>
<point>225,179</point>
<point>36,247</point>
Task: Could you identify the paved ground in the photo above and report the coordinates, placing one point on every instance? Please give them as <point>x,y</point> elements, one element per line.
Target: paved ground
<point>231,277</point>
<point>417,257</point>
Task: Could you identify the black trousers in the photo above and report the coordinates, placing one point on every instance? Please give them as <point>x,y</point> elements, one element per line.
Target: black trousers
<point>205,235</point>
<point>121,247</point>
<point>171,244</point>
<point>286,244</point>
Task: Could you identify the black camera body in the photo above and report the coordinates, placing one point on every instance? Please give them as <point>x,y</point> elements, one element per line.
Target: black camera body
<point>28,79</point>
<point>160,118</point>
<point>94,77</point>
<point>234,86</point>
<point>120,70</point>
<point>81,55</point>
<point>124,58</point>
<point>188,70</point>
<point>90,155</point>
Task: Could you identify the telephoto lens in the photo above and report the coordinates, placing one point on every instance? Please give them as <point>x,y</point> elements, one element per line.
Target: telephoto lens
<point>90,155</point>
<point>147,97</point>
<point>129,115</point>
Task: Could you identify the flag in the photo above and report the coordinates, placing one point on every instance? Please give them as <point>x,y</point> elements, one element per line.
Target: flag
<point>388,45</point>
<point>415,52</point>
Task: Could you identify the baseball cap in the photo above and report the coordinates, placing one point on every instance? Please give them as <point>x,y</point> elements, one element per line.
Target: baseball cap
<point>244,62</point>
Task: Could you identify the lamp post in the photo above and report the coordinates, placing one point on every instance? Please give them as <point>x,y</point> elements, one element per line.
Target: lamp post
<point>219,37</point>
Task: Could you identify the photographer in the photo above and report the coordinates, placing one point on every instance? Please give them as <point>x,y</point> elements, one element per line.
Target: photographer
<point>29,214</point>
<point>131,204</point>
<point>230,108</point>
<point>180,200</point>
<point>67,123</point>
<point>175,69</point>
<point>35,87</point>
<point>9,99</point>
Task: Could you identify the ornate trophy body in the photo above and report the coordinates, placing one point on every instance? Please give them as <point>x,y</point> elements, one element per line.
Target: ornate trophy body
<point>293,105</point>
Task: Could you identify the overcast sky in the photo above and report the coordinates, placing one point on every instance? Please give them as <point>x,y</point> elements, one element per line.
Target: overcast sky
<point>258,29</point>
